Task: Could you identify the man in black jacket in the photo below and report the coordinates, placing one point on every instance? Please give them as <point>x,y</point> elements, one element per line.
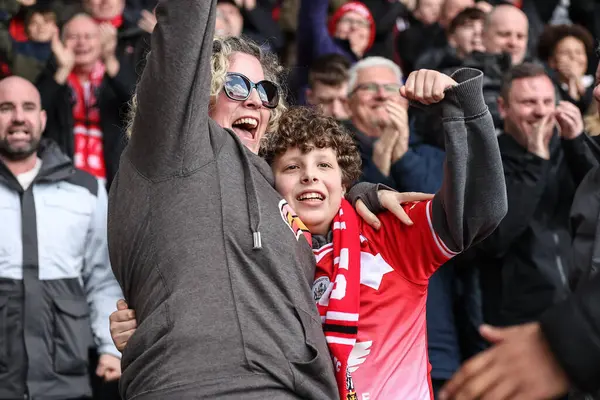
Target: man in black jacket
<point>541,360</point>
<point>526,262</point>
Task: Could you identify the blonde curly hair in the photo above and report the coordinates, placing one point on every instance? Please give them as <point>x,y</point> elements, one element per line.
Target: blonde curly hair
<point>223,48</point>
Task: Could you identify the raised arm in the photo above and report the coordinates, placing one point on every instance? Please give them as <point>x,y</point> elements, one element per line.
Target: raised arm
<point>315,40</point>
<point>170,128</point>
<point>472,200</point>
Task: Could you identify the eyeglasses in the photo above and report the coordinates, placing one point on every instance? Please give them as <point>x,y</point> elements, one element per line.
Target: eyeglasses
<point>373,88</point>
<point>238,87</point>
<point>361,23</point>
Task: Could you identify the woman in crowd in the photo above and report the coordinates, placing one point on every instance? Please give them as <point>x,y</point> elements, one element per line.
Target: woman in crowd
<point>565,50</point>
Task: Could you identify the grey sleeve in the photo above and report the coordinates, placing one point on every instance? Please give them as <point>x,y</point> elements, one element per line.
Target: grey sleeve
<point>472,200</point>
<point>100,285</point>
<point>170,133</point>
<point>367,192</point>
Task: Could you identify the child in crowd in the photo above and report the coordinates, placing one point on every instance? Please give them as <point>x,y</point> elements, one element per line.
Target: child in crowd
<point>28,58</point>
<point>371,285</point>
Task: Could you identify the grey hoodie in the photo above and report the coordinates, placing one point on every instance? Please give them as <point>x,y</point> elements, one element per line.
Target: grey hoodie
<point>223,311</point>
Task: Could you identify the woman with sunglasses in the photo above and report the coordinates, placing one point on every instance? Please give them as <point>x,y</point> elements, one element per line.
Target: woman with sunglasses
<point>209,255</point>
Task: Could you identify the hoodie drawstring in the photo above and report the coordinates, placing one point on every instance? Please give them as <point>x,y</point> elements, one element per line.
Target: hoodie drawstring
<point>251,196</point>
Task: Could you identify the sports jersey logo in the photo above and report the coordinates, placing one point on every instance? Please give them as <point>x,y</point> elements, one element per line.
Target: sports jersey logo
<point>320,287</point>
<point>294,222</point>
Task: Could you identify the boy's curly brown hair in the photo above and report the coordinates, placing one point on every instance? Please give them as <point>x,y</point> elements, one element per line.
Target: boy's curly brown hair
<point>307,129</point>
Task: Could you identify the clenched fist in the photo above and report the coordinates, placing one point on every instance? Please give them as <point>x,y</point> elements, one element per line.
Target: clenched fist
<point>426,86</point>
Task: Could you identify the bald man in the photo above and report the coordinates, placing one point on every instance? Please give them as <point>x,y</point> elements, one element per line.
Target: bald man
<point>57,289</point>
<point>506,31</point>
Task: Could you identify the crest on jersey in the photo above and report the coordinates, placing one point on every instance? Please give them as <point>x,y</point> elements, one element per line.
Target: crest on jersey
<point>320,287</point>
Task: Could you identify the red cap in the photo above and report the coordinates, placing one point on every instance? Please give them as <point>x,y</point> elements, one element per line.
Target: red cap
<point>358,8</point>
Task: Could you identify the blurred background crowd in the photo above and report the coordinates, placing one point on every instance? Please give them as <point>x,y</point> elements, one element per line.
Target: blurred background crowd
<point>349,60</point>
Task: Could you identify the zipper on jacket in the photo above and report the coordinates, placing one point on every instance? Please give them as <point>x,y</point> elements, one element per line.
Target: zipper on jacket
<point>559,264</point>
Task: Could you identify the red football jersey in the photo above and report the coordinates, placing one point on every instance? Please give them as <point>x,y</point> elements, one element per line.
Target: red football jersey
<point>389,359</point>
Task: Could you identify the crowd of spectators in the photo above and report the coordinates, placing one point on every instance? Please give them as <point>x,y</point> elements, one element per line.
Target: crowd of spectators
<point>349,59</point>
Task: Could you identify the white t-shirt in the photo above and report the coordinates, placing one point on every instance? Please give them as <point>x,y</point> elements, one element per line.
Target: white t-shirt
<point>26,178</point>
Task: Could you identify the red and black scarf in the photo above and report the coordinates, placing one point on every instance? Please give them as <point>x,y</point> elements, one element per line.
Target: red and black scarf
<point>89,149</point>
<point>339,305</point>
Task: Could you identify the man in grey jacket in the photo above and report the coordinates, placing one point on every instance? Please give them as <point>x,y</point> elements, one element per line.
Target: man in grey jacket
<point>56,285</point>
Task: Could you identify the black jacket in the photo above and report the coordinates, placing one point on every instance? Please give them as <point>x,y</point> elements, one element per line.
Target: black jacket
<point>526,263</point>
<point>113,95</point>
<point>572,330</point>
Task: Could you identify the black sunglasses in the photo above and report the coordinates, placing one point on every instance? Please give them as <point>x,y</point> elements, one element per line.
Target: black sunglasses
<point>238,87</point>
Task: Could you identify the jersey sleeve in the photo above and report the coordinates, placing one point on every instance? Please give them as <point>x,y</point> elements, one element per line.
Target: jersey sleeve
<point>413,251</point>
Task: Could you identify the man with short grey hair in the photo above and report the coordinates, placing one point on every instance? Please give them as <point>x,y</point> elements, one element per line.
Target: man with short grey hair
<point>380,123</point>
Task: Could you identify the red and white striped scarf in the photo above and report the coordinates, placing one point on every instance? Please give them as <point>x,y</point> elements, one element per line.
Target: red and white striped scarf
<point>339,305</point>
<point>89,149</point>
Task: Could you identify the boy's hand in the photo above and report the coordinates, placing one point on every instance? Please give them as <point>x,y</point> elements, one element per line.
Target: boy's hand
<point>27,3</point>
<point>426,86</point>
<point>391,201</point>
<point>122,325</point>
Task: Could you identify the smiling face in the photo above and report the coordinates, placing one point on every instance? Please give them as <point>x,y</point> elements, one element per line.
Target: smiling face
<point>374,87</point>
<point>356,29</point>
<point>41,27</point>
<point>529,101</point>
<point>331,100</point>
<point>467,38</point>
<point>82,36</point>
<point>570,51</point>
<point>507,32</point>
<point>21,119</point>
<point>249,118</point>
<point>311,183</point>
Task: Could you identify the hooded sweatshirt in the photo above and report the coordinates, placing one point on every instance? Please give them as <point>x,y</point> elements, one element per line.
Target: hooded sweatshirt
<point>200,243</point>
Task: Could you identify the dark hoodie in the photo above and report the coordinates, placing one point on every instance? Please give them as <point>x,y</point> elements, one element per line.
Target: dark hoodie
<point>219,281</point>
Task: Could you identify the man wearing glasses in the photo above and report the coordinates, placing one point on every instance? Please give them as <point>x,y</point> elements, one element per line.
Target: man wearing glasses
<point>380,124</point>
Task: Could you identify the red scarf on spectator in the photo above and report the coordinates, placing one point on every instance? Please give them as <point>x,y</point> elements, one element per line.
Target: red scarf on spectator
<point>339,304</point>
<point>89,151</point>
<point>116,21</point>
